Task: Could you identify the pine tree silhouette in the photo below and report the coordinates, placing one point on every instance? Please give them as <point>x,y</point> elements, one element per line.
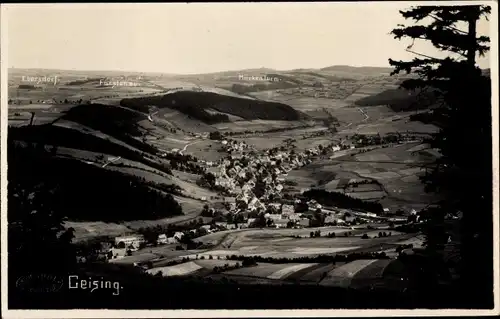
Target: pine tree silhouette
<point>463,174</point>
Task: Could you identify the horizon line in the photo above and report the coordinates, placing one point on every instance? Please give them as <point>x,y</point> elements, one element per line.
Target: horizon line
<point>213,72</point>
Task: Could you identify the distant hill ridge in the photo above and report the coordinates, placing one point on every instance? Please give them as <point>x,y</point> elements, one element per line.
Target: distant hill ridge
<point>358,69</point>
<point>338,68</point>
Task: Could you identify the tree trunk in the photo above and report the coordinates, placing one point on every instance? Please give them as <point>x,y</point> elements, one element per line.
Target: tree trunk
<point>472,44</point>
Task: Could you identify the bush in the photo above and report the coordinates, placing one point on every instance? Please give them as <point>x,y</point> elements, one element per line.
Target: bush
<point>365,236</point>
<point>249,262</point>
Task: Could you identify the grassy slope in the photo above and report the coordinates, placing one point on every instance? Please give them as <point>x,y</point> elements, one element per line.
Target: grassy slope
<point>114,121</point>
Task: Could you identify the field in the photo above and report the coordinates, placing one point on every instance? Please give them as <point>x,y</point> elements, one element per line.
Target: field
<point>357,274</point>
<point>182,121</point>
<point>269,140</point>
<point>177,270</point>
<point>87,230</point>
<point>283,243</point>
<point>256,125</point>
<point>205,149</point>
<point>191,208</point>
<point>341,276</point>
<point>390,126</point>
<point>278,243</point>
<point>396,168</point>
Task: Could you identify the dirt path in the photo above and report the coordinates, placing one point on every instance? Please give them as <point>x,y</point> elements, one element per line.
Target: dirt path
<point>186,146</point>
<point>364,113</point>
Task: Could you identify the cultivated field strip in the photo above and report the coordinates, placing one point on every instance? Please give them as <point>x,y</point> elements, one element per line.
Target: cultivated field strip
<point>373,271</point>
<point>262,270</point>
<point>316,275</point>
<point>310,274</point>
<point>282,273</point>
<point>321,251</point>
<point>342,275</point>
<point>177,270</point>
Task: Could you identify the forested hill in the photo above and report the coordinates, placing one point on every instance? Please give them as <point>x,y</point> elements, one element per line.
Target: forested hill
<point>196,104</point>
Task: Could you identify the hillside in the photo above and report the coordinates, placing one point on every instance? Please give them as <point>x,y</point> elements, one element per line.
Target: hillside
<point>117,122</point>
<point>399,100</point>
<point>84,192</point>
<point>196,104</point>
<point>66,137</point>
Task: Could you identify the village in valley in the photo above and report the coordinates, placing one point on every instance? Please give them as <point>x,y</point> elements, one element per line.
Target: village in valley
<point>253,188</point>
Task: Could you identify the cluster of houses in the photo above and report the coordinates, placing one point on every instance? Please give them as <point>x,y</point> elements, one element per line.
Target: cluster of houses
<point>126,244</point>
<point>234,146</point>
<point>242,173</point>
<point>239,174</point>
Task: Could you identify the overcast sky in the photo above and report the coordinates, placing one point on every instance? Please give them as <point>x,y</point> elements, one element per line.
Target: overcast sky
<point>202,38</point>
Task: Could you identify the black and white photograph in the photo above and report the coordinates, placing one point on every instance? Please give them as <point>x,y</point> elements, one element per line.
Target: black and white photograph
<point>279,158</point>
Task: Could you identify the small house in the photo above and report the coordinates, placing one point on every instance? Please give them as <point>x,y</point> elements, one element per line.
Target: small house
<point>281,223</point>
<point>162,239</point>
<point>178,235</point>
<point>117,253</point>
<point>133,240</point>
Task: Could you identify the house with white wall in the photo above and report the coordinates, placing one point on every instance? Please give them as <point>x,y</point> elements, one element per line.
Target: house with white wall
<point>132,240</point>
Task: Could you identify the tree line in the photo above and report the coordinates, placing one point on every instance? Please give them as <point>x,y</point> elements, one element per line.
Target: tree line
<point>308,259</point>
<point>341,200</point>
